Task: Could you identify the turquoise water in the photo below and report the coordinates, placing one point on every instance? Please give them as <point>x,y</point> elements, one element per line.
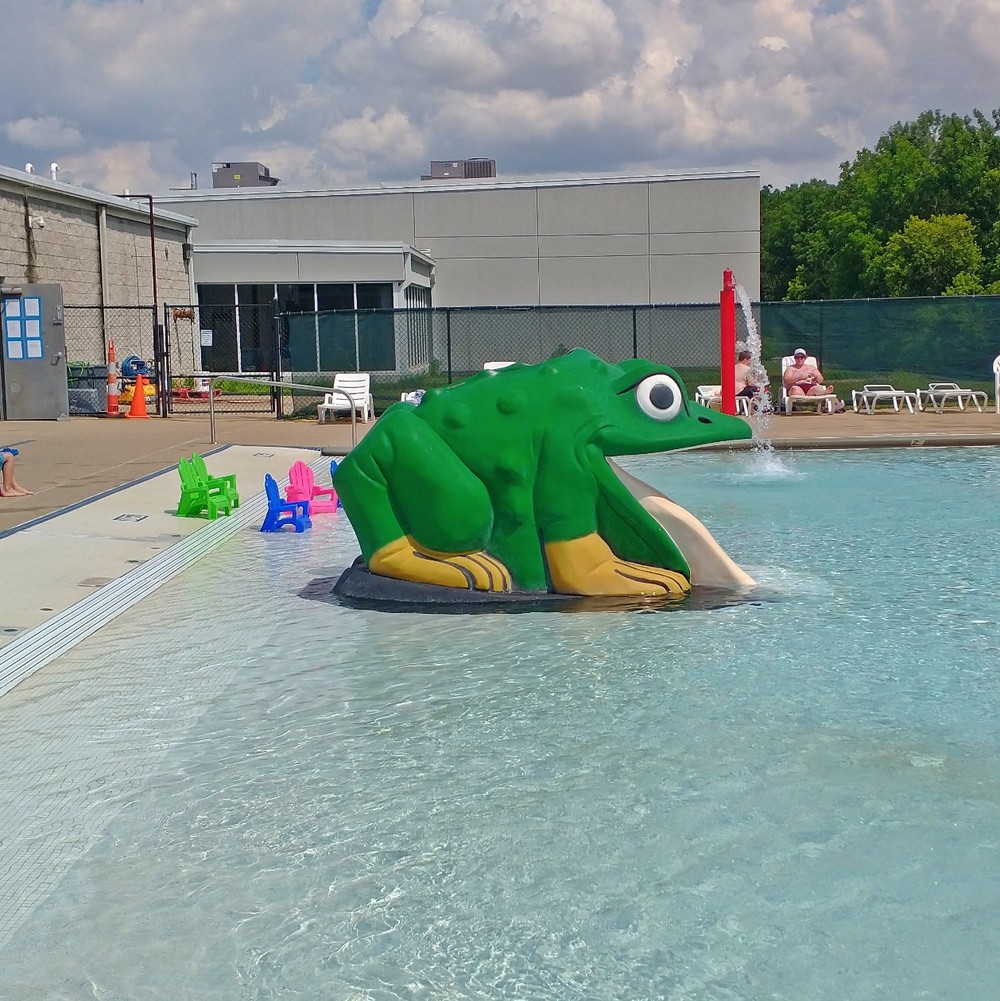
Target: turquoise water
<point>796,797</point>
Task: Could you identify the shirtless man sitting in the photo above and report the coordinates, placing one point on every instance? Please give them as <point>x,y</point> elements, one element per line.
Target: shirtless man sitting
<point>9,487</point>
<point>801,379</point>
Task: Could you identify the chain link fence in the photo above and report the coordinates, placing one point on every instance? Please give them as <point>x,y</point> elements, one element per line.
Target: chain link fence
<point>90,330</point>
<point>203,340</point>
<point>909,342</point>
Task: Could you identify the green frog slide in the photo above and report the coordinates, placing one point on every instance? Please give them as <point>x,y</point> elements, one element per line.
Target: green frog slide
<point>502,484</point>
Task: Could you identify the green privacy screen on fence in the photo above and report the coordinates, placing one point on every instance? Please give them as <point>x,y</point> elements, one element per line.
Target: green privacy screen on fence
<point>946,338</point>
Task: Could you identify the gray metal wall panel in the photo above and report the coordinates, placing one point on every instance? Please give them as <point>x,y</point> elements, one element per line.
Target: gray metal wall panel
<point>501,283</point>
<point>699,279</point>
<point>351,268</point>
<point>703,243</point>
<point>486,245</point>
<point>593,246</point>
<point>387,218</point>
<point>593,281</point>
<point>482,247</point>
<point>700,206</point>
<point>473,213</point>
<point>603,210</point>
<point>245,269</point>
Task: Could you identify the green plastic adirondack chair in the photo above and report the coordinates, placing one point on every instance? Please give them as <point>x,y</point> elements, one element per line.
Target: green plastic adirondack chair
<point>225,483</point>
<point>197,496</point>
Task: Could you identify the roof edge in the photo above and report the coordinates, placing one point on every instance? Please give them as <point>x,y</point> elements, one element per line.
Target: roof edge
<point>124,205</point>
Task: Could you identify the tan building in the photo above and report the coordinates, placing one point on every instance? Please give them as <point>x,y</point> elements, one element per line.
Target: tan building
<point>608,240</point>
<point>114,259</point>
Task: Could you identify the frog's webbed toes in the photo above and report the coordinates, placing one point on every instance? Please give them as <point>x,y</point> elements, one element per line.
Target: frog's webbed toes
<point>406,559</point>
<point>588,566</point>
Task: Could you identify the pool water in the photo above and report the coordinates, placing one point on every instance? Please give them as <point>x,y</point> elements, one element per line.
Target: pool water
<point>235,792</point>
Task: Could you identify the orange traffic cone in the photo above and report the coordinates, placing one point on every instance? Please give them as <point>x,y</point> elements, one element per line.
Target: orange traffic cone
<point>138,408</point>
<point>112,382</point>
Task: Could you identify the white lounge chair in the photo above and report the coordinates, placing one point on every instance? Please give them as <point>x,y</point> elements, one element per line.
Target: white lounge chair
<point>492,366</point>
<point>357,385</point>
<point>789,403</point>
<point>938,394</point>
<point>707,395</point>
<point>996,382</point>
<point>875,393</point>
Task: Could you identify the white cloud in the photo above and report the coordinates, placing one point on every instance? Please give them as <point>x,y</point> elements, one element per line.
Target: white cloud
<point>324,95</point>
<point>46,131</point>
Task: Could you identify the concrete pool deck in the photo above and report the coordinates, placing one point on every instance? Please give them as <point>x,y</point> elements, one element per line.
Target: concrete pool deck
<point>105,494</point>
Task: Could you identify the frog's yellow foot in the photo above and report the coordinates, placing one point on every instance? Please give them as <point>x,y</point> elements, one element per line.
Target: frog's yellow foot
<point>406,559</point>
<point>588,566</point>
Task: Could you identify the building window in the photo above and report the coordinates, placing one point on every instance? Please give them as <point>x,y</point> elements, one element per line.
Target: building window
<point>22,328</point>
<point>330,326</point>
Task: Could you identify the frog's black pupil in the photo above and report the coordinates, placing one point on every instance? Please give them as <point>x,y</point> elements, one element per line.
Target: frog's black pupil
<point>661,396</point>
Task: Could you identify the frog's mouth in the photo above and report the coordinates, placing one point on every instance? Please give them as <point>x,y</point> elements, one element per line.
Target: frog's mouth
<point>709,563</point>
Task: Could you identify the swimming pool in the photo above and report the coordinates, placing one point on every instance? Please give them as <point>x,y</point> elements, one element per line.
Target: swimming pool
<point>236,792</point>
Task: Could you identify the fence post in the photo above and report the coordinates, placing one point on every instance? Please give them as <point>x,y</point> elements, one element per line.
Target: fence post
<point>727,341</point>
<point>635,333</point>
<point>161,362</point>
<point>447,328</point>
<point>277,398</point>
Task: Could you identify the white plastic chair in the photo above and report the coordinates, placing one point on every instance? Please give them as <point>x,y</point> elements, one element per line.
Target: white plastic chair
<point>492,366</point>
<point>872,394</point>
<point>996,382</point>
<point>357,385</point>
<point>938,394</point>
<point>789,403</point>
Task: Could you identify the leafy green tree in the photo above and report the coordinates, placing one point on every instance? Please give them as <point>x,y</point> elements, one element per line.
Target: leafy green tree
<point>786,218</point>
<point>926,257</point>
<point>821,241</point>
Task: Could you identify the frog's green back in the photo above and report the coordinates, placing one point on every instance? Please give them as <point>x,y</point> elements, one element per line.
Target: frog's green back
<point>513,460</point>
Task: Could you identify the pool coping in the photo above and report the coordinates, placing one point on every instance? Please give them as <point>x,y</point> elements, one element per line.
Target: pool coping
<point>913,440</point>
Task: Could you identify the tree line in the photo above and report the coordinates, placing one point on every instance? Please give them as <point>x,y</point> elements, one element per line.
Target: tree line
<point>919,215</point>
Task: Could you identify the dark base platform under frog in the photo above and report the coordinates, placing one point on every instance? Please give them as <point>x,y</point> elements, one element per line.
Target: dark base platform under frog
<point>358,587</point>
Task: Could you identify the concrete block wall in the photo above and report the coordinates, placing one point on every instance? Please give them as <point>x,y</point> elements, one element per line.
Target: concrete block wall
<point>64,251</point>
<point>52,233</point>
<point>67,250</point>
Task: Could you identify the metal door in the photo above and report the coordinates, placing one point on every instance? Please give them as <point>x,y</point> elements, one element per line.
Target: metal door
<point>33,355</point>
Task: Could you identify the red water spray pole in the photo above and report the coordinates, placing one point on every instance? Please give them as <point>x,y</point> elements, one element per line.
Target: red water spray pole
<point>727,341</point>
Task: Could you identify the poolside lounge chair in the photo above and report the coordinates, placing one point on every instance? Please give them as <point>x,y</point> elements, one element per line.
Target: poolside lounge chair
<point>357,385</point>
<point>874,393</point>
<point>707,395</point>
<point>996,382</point>
<point>492,366</point>
<point>826,403</point>
<point>302,486</point>
<point>938,394</point>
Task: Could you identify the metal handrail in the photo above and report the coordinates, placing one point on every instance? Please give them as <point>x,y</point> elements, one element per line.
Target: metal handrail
<point>278,385</point>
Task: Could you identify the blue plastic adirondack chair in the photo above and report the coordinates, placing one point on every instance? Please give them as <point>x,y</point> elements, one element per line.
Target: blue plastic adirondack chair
<point>333,469</point>
<point>281,513</point>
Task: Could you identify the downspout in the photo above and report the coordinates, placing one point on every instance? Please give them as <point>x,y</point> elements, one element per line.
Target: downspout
<point>102,255</point>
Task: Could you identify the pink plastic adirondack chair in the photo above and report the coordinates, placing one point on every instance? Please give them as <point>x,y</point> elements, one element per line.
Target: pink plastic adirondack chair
<point>302,487</point>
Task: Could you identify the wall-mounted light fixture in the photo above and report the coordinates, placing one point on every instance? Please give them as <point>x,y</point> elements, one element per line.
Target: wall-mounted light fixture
<point>36,222</point>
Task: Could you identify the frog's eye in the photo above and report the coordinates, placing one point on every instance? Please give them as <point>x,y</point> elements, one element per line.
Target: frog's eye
<point>659,397</point>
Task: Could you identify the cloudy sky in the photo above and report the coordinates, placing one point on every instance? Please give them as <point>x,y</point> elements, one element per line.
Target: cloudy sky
<point>139,94</point>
